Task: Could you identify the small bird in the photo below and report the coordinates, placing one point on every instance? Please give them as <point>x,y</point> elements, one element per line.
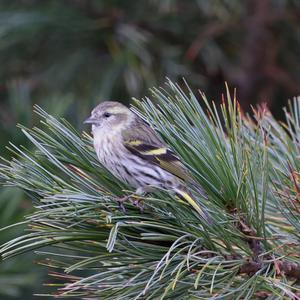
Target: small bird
<point>131,150</point>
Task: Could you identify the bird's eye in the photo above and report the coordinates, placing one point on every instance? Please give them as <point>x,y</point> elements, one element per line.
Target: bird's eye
<point>106,115</point>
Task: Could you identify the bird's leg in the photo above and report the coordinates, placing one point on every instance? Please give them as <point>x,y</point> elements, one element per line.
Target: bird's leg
<point>121,200</point>
<point>131,198</point>
<point>135,198</point>
<point>142,191</point>
<point>138,201</point>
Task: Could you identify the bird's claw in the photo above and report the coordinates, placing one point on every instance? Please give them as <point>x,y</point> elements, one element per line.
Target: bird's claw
<point>139,203</point>
<point>121,200</point>
<point>136,202</point>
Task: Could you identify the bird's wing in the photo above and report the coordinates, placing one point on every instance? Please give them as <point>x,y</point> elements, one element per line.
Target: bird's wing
<point>142,141</point>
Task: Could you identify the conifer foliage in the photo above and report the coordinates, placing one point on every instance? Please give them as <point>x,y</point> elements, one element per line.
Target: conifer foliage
<point>248,165</point>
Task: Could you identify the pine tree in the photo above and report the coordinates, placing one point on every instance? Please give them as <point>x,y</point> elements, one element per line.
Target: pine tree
<point>248,165</point>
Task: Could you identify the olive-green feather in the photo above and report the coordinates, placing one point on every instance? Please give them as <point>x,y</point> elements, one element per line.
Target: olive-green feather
<point>142,141</point>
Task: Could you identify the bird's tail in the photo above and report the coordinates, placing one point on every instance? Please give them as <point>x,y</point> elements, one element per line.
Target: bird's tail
<point>182,194</point>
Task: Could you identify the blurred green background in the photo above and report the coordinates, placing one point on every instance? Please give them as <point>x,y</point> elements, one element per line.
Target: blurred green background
<point>69,55</point>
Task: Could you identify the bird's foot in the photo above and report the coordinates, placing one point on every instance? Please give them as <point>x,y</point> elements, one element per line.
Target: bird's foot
<point>139,204</point>
<point>134,199</point>
<point>121,200</point>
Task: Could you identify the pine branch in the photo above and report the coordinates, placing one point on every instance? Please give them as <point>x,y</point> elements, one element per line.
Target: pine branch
<point>168,251</point>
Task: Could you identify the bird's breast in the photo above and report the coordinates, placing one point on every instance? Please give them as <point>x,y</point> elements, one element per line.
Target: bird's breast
<point>108,148</point>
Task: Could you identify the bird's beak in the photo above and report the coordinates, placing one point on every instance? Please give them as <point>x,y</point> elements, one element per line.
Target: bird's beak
<point>90,120</point>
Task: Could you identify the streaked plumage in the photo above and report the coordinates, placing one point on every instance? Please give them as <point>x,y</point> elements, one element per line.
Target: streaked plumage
<point>130,149</point>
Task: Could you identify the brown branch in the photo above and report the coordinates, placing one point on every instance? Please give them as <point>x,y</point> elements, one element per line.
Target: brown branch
<point>289,269</point>
<point>256,263</point>
<point>250,267</point>
<point>253,242</point>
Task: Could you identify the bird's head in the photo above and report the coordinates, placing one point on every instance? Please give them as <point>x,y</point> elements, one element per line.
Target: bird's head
<point>109,116</point>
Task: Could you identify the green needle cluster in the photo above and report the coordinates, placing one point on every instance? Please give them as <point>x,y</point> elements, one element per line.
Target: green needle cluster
<point>249,167</point>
